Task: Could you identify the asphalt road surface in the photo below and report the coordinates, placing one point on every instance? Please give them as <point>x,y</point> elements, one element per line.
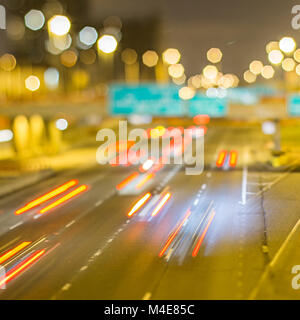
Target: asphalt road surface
<point>212,235</point>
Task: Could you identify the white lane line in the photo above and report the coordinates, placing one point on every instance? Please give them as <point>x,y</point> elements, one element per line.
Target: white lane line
<point>16,225</point>
<point>273,262</point>
<point>244,185</point>
<point>66,287</point>
<point>147,296</point>
<point>98,203</point>
<point>203,186</point>
<point>69,224</point>
<point>83,268</point>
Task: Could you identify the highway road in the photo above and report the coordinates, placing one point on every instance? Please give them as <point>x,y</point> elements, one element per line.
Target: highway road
<point>209,236</point>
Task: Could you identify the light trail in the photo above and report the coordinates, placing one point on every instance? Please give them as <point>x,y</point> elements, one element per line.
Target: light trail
<point>65,198</point>
<point>14,251</point>
<point>161,203</point>
<point>146,165</point>
<point>198,245</point>
<point>233,158</point>
<point>139,204</point>
<point>221,158</point>
<point>21,266</point>
<point>145,180</point>
<point>53,193</point>
<point>174,234</point>
<point>125,182</point>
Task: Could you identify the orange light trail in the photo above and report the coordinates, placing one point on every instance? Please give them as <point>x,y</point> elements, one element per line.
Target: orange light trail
<point>139,204</point>
<point>161,203</point>
<point>221,158</point>
<point>125,182</point>
<point>65,198</point>
<point>174,234</point>
<point>53,193</point>
<point>12,252</point>
<point>233,158</point>
<point>198,245</point>
<point>21,266</point>
<point>146,179</point>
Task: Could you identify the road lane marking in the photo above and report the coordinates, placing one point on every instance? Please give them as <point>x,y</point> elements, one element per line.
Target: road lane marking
<point>70,223</point>
<point>147,296</point>
<point>244,185</point>
<point>83,268</point>
<point>66,287</point>
<point>273,262</point>
<point>98,203</point>
<point>16,225</point>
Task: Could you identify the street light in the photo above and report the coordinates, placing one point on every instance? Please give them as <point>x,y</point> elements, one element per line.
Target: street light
<point>107,44</point>
<point>59,25</point>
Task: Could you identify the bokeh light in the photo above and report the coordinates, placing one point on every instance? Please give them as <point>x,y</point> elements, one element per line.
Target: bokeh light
<point>51,78</point>
<point>150,58</point>
<point>8,62</point>
<point>34,20</point>
<point>107,43</point>
<point>297,55</point>
<point>272,45</point>
<point>186,93</point>
<point>249,76</point>
<point>179,81</point>
<point>210,72</point>
<point>287,44</point>
<point>129,56</point>
<point>171,56</point>
<point>176,70</point>
<point>61,124</point>
<point>288,64</point>
<point>88,36</point>
<point>298,70</point>
<point>68,58</point>
<point>59,25</point>
<point>275,56</point>
<point>214,55</point>
<point>32,83</point>
<point>256,66</point>
<point>268,72</point>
